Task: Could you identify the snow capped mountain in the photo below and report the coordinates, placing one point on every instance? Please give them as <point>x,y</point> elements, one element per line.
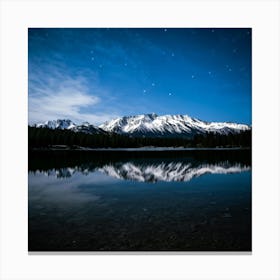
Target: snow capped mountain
<point>85,127</point>
<point>151,125</point>
<point>168,125</point>
<point>88,128</point>
<point>57,124</point>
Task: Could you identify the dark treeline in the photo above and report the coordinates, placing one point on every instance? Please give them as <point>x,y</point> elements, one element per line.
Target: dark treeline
<point>43,160</point>
<point>45,137</point>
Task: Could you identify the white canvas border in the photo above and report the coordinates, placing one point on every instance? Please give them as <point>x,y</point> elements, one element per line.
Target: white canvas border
<point>17,16</point>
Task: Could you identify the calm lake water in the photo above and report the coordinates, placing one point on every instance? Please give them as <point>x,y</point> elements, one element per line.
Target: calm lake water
<point>140,201</point>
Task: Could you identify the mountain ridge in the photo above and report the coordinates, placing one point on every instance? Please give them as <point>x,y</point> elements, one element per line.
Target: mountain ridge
<point>169,125</point>
<point>66,124</point>
<point>151,125</point>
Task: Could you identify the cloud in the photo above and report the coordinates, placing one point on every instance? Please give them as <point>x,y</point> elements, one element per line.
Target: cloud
<point>59,96</point>
<point>63,86</point>
<point>63,192</point>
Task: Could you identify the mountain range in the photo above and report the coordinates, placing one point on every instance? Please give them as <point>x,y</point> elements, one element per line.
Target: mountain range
<point>151,125</point>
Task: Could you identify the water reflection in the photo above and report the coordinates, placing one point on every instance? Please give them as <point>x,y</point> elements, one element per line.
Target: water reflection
<point>152,171</point>
<point>168,171</point>
<point>105,201</point>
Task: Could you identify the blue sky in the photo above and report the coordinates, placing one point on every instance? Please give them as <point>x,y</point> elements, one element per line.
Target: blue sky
<point>96,74</point>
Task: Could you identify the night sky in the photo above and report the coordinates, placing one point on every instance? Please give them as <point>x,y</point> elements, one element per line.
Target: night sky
<point>95,75</point>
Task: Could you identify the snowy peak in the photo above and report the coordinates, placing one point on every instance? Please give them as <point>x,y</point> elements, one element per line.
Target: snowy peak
<point>57,124</point>
<point>169,125</point>
<point>129,124</point>
<point>85,127</point>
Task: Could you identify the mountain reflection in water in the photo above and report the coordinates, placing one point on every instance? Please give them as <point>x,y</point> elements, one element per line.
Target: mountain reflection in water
<point>151,170</point>
<point>138,201</point>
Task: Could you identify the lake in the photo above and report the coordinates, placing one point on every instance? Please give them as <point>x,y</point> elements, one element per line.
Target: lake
<point>184,200</point>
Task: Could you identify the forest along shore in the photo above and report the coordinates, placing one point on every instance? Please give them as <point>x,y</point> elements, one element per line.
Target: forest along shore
<point>45,138</point>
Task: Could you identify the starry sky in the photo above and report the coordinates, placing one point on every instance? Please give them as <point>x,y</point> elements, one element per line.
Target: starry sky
<point>96,74</point>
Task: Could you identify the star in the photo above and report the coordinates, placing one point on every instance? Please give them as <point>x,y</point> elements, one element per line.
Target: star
<point>172,54</point>
<point>144,91</point>
<point>212,30</point>
<point>209,72</point>
<point>92,58</point>
<point>125,64</point>
<point>153,84</point>
<point>169,93</point>
<point>192,76</point>
<point>165,29</point>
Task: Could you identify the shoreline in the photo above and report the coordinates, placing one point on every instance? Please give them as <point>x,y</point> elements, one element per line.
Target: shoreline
<point>141,149</point>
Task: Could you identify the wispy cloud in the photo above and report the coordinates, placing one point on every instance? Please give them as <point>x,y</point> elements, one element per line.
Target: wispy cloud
<point>60,96</point>
<point>63,85</point>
